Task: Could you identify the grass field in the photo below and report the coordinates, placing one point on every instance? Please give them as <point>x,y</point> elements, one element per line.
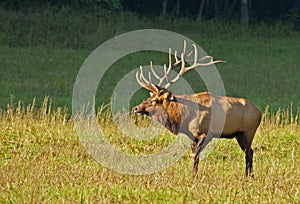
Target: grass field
<point>265,78</point>
<point>43,161</point>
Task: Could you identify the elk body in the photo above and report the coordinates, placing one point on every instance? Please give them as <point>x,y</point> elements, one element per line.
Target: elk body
<point>191,114</point>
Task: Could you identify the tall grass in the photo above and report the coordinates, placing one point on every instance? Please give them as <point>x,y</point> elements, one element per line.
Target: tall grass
<point>42,160</point>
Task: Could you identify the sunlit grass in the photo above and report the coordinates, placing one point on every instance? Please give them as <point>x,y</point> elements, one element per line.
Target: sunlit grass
<point>42,160</point>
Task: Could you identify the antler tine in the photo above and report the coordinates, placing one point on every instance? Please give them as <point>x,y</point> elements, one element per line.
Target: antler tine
<point>206,57</point>
<point>195,53</point>
<point>184,47</point>
<point>150,80</point>
<point>197,63</point>
<point>170,57</point>
<point>142,76</point>
<point>138,80</point>
<point>143,82</point>
<point>161,79</point>
<point>177,61</point>
<point>181,72</point>
<point>154,73</point>
<point>166,73</point>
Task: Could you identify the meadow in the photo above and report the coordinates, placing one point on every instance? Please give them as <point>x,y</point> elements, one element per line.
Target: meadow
<point>43,161</point>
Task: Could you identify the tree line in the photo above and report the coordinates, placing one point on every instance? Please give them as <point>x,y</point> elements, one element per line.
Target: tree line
<point>244,11</point>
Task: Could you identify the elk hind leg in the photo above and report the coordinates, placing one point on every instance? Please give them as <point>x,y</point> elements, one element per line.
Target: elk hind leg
<point>245,145</point>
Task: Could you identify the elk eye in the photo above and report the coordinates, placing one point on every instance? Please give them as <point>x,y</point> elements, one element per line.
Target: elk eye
<point>159,101</point>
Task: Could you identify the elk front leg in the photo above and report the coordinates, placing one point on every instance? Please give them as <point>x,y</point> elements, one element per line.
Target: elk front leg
<point>196,149</point>
<point>194,134</point>
<point>194,145</point>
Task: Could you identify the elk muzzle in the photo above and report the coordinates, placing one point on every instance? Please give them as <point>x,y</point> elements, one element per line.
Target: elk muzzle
<point>143,108</point>
<point>139,109</point>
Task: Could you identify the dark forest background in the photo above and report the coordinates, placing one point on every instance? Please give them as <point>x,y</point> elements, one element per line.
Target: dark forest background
<point>244,11</point>
<point>86,23</point>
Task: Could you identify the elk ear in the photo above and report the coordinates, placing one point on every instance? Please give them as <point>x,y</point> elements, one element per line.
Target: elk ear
<point>169,96</point>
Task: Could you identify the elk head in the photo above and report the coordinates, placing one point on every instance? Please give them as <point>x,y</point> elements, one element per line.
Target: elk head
<point>157,104</point>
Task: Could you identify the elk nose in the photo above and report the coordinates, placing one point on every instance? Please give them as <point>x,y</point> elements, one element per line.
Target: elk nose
<point>138,110</point>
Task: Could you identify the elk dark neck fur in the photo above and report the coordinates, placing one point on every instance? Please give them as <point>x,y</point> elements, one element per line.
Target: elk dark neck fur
<point>173,121</point>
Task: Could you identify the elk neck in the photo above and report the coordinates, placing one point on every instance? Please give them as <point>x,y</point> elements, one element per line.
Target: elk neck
<point>173,110</point>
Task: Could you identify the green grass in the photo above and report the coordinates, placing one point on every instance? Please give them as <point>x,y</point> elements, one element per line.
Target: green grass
<point>28,73</point>
<point>42,160</point>
<point>266,71</point>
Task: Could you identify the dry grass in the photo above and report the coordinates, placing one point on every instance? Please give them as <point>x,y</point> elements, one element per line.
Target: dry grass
<point>43,161</point>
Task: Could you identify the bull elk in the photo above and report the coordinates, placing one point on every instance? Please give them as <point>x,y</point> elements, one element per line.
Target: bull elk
<point>191,114</point>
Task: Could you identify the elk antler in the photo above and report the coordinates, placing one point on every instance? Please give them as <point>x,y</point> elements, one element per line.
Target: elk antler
<point>149,85</point>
